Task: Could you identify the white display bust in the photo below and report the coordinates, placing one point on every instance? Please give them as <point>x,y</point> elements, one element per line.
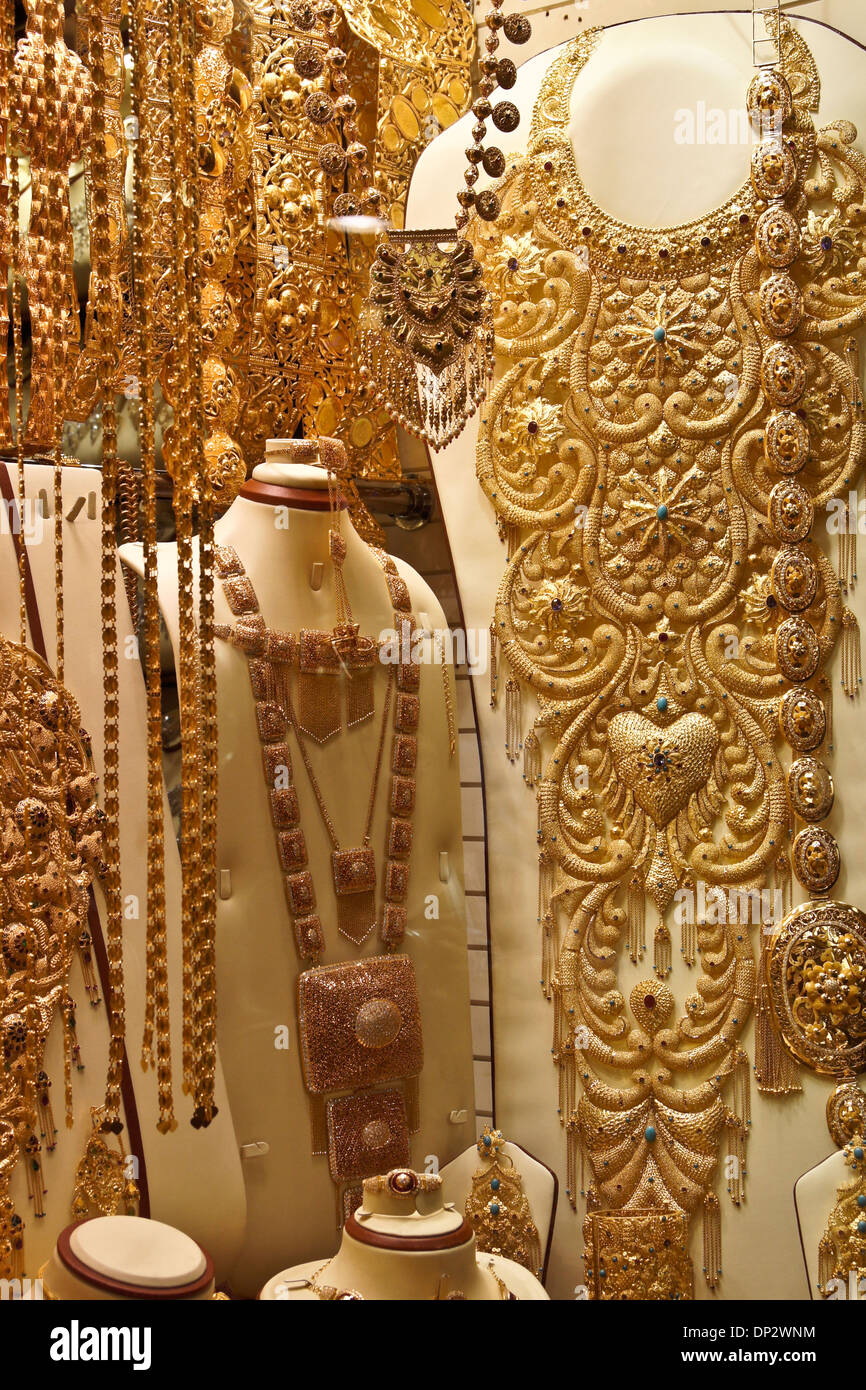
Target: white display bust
<point>283,545</point>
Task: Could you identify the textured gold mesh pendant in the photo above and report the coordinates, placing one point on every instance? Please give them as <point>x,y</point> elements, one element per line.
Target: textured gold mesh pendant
<point>426,336</point>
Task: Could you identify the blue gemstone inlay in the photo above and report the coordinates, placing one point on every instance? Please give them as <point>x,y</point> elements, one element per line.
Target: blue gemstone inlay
<point>662,512</point>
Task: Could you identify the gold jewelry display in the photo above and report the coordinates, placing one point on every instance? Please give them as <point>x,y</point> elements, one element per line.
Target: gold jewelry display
<point>403,73</point>
<point>50,110</point>
<point>224,122</point>
<point>425,334</point>
<point>102,1187</point>
<point>271,656</point>
<point>99,376</point>
<point>53,849</point>
<point>653,450</point>
<point>358,1021</point>
<point>167,247</point>
<point>638,1256</point>
<point>842,1251</point>
<point>403,1182</point>
<point>498,1209</point>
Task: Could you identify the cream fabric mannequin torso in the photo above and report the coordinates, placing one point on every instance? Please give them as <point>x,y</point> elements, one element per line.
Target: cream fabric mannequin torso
<point>290,1197</point>
<point>626,109</point>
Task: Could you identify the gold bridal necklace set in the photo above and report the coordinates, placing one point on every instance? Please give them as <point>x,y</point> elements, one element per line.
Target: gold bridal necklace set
<point>670,411</point>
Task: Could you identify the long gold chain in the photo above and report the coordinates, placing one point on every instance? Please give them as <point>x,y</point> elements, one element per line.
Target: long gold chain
<point>103,35</point>
<point>156,1019</point>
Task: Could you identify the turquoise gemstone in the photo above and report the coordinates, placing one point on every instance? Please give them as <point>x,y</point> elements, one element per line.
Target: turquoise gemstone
<point>494,1208</point>
<point>494,1183</point>
<point>661,704</point>
<point>858,1153</point>
<point>659,334</point>
<point>487,1141</point>
<point>649,1134</point>
<point>861,1200</point>
<point>662,512</point>
<point>861,1227</point>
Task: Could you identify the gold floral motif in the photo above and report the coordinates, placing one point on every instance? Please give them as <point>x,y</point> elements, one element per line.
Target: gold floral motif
<point>842,1250</point>
<point>816,968</point>
<point>631,445</point>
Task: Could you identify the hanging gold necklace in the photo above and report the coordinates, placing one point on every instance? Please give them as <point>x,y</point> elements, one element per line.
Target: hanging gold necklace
<point>661,591</point>
<point>425,333</point>
<point>359,1021</point>
<point>354,870</point>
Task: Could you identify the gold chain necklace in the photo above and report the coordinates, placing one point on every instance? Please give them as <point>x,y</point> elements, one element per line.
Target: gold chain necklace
<point>660,592</point>
<point>271,656</point>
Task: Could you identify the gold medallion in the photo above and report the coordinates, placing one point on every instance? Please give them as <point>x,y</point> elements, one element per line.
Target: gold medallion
<point>810,789</point>
<point>803,719</point>
<point>797,649</point>
<point>790,512</point>
<point>816,859</point>
<point>794,577</point>
<point>816,970</point>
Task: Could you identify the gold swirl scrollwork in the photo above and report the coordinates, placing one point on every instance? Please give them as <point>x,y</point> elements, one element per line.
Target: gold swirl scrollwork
<point>624,448</point>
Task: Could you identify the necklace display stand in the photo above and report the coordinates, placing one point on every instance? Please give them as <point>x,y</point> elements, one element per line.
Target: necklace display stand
<point>280,532</point>
<point>410,1248</point>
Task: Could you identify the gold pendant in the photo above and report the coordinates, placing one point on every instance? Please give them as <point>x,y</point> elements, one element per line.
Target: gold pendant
<point>426,338</point>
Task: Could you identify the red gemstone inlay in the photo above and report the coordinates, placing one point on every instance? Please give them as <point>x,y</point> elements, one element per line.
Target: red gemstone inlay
<point>649,1001</point>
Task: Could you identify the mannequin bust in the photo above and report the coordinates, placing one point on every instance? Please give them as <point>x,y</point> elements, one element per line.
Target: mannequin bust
<point>540,1188</point>
<point>279,527</point>
<point>814,1199</point>
<point>114,1258</point>
<point>405,1242</point>
<point>640,127</point>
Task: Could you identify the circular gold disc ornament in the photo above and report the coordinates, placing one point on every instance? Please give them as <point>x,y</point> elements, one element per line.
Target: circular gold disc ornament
<point>803,719</point>
<point>781,305</point>
<point>773,169</point>
<point>816,859</point>
<point>769,102</point>
<point>797,650</point>
<point>786,442</point>
<point>777,238</point>
<point>794,577</point>
<point>816,972</point>
<point>846,1113</point>
<point>790,511</point>
<point>783,374</point>
<point>810,789</point>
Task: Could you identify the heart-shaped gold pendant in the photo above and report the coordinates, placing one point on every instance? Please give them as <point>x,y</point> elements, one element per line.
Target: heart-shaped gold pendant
<point>662,767</point>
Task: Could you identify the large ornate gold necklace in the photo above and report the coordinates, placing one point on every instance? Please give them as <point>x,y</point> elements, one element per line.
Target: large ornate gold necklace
<point>670,409</point>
